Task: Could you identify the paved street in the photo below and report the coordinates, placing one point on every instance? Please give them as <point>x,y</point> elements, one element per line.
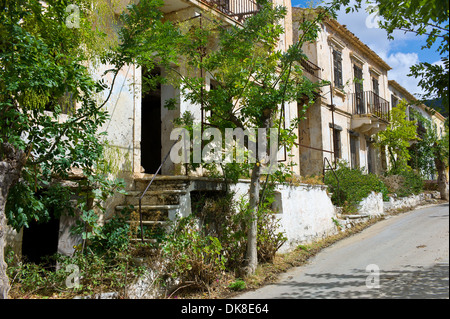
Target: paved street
<point>405,256</point>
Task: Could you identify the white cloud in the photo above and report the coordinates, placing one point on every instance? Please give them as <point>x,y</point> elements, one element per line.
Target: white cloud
<point>401,63</point>
<point>364,27</point>
<point>357,23</point>
<point>440,63</point>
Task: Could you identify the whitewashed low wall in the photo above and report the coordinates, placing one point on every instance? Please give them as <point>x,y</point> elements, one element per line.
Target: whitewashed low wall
<point>410,201</point>
<point>372,205</point>
<point>305,212</point>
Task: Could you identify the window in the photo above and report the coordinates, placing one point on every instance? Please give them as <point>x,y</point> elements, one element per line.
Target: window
<point>336,139</point>
<point>337,65</point>
<point>359,90</point>
<point>376,97</point>
<point>354,150</point>
<point>394,100</point>
<point>375,86</point>
<point>337,143</point>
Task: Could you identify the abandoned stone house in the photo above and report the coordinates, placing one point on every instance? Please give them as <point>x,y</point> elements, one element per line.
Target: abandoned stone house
<point>355,106</point>
<point>339,126</point>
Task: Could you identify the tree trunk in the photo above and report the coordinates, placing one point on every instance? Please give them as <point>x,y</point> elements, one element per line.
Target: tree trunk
<point>442,178</point>
<point>252,249</point>
<point>4,282</point>
<point>11,165</point>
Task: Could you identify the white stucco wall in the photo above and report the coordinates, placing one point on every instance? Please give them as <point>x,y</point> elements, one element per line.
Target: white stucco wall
<point>372,205</point>
<point>121,106</point>
<point>306,212</point>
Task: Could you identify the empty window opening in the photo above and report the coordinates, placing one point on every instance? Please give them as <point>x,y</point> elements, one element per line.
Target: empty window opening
<point>40,241</point>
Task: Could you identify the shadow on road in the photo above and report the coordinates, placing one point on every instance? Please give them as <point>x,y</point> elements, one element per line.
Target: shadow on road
<point>413,282</point>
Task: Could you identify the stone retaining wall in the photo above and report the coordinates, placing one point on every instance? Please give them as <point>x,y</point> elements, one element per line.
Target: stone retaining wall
<point>374,206</point>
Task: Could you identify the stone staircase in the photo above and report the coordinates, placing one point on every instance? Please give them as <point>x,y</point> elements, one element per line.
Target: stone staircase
<point>161,203</point>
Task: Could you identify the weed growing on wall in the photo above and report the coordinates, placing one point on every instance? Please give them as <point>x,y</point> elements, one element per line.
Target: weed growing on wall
<point>354,186</point>
<point>404,183</point>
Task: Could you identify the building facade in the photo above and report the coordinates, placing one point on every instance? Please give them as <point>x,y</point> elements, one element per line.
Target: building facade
<point>351,109</point>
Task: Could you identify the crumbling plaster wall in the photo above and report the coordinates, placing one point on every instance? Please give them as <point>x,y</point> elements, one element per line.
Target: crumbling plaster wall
<point>306,212</point>
<point>320,116</point>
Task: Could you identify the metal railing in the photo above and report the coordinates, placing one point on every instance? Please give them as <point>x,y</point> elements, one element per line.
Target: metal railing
<point>330,168</point>
<point>369,102</point>
<point>237,9</point>
<point>146,189</point>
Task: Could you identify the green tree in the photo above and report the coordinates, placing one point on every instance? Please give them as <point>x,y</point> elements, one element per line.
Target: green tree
<point>422,17</point>
<point>254,81</point>
<point>397,137</point>
<point>49,117</point>
<point>432,152</point>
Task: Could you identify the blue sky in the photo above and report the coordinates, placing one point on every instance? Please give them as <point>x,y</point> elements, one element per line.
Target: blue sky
<point>404,51</point>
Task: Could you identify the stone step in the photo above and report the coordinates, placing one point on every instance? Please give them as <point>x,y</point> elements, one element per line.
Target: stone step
<point>147,240</point>
<point>149,222</point>
<point>160,183</point>
<point>141,186</point>
<point>162,197</point>
<point>150,207</point>
<point>152,212</point>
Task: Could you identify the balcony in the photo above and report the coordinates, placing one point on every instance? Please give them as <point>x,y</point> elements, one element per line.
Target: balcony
<point>311,69</point>
<point>238,10</point>
<point>370,112</point>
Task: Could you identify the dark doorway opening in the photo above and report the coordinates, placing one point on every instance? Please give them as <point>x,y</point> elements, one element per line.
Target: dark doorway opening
<point>151,121</point>
<point>40,241</point>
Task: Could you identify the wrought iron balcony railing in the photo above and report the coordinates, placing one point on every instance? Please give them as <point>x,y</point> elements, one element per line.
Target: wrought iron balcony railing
<point>369,102</point>
<point>236,9</point>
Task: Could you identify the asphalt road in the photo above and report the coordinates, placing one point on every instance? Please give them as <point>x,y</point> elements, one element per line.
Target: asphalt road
<point>404,256</point>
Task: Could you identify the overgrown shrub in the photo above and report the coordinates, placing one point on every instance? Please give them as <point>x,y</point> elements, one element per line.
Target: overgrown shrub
<point>94,273</point>
<point>404,183</point>
<point>196,250</point>
<point>220,216</point>
<point>192,257</point>
<point>113,237</point>
<point>269,237</point>
<point>354,186</point>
